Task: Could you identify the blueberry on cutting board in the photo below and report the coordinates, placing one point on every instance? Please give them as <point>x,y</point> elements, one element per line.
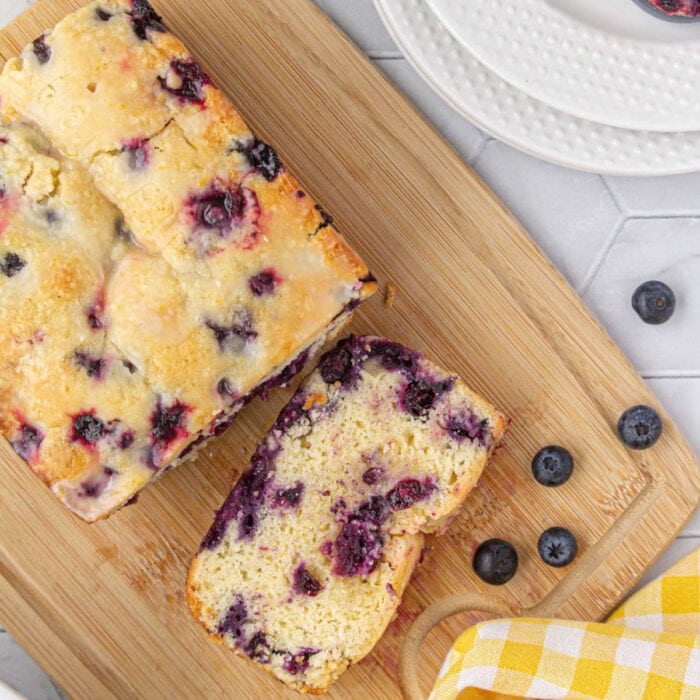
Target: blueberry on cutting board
<point>495,561</point>
<point>639,427</point>
<point>552,465</point>
<point>557,546</point>
<point>654,302</point>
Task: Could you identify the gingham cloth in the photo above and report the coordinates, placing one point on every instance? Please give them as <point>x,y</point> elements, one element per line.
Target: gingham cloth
<point>649,648</point>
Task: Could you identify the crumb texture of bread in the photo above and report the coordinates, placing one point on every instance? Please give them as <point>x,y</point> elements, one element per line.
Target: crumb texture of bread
<point>161,266</point>
<point>308,557</point>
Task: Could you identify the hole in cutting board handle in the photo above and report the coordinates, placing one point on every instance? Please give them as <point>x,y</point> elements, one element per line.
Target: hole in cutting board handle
<point>431,617</point>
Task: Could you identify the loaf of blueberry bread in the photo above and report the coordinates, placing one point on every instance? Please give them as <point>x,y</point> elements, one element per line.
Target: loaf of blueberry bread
<point>201,274</point>
<point>308,557</point>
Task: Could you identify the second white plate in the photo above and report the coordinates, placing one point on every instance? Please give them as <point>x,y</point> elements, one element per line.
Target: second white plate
<point>521,121</point>
<point>603,60</point>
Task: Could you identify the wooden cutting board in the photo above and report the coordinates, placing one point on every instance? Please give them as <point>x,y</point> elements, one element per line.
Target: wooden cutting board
<point>102,607</point>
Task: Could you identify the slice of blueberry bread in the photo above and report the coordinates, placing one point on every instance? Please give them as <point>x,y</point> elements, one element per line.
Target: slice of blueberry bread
<point>307,559</point>
<point>218,282</point>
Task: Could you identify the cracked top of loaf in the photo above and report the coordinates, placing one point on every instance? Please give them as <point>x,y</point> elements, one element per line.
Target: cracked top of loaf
<point>158,262</point>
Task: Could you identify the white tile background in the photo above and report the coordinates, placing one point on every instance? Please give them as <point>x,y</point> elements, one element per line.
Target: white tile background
<point>605,234</point>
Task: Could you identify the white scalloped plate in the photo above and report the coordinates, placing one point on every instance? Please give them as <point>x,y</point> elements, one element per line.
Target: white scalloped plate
<point>603,60</point>
<point>517,119</point>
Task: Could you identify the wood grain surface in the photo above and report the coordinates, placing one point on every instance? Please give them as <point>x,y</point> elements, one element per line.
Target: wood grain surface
<point>102,607</point>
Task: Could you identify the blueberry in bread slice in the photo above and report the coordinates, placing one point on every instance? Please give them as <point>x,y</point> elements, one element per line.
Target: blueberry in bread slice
<point>219,279</point>
<point>308,557</point>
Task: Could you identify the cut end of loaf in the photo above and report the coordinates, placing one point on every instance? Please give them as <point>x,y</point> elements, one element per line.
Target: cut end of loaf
<point>307,559</point>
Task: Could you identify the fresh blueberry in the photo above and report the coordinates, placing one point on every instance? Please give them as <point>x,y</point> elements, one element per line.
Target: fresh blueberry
<point>639,427</point>
<point>654,301</point>
<point>552,465</point>
<point>557,546</point>
<point>495,561</point>
<point>11,264</point>
<point>41,49</point>
<point>144,19</point>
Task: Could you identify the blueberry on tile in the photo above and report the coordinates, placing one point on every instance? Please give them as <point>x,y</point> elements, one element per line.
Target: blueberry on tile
<point>41,49</point>
<point>11,264</point>
<point>639,427</point>
<point>495,561</point>
<point>144,19</point>
<point>552,465</point>
<point>654,302</point>
<point>305,582</point>
<point>557,546</point>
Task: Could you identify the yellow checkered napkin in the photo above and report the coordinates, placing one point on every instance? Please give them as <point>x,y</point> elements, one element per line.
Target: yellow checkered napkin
<point>649,648</point>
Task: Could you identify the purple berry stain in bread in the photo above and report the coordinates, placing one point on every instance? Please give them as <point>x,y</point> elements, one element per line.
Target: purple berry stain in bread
<point>144,19</point>
<point>87,429</point>
<point>220,212</point>
<point>288,498</point>
<point>258,648</point>
<point>335,365</point>
<point>245,500</point>
<point>419,396</point>
<point>375,510</point>
<point>95,367</point>
<point>185,79</point>
<point>41,49</point>
<point>410,491</point>
<point>126,439</point>
<point>262,158</point>
<point>372,475</point>
<point>167,426</point>
<point>299,661</point>
<point>265,282</point>
<point>95,487</point>
<point>96,316</point>
<point>235,337</point>
<point>234,619</point>
<point>305,583</point>
<point>358,549</point>
<point>470,426</point>
<point>11,264</point>
<point>138,152</point>
<point>28,440</point>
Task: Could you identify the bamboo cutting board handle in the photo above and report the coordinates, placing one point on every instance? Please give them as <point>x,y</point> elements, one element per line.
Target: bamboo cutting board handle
<point>431,617</point>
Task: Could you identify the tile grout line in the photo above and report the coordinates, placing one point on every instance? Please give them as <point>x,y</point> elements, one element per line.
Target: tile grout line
<point>602,255</point>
